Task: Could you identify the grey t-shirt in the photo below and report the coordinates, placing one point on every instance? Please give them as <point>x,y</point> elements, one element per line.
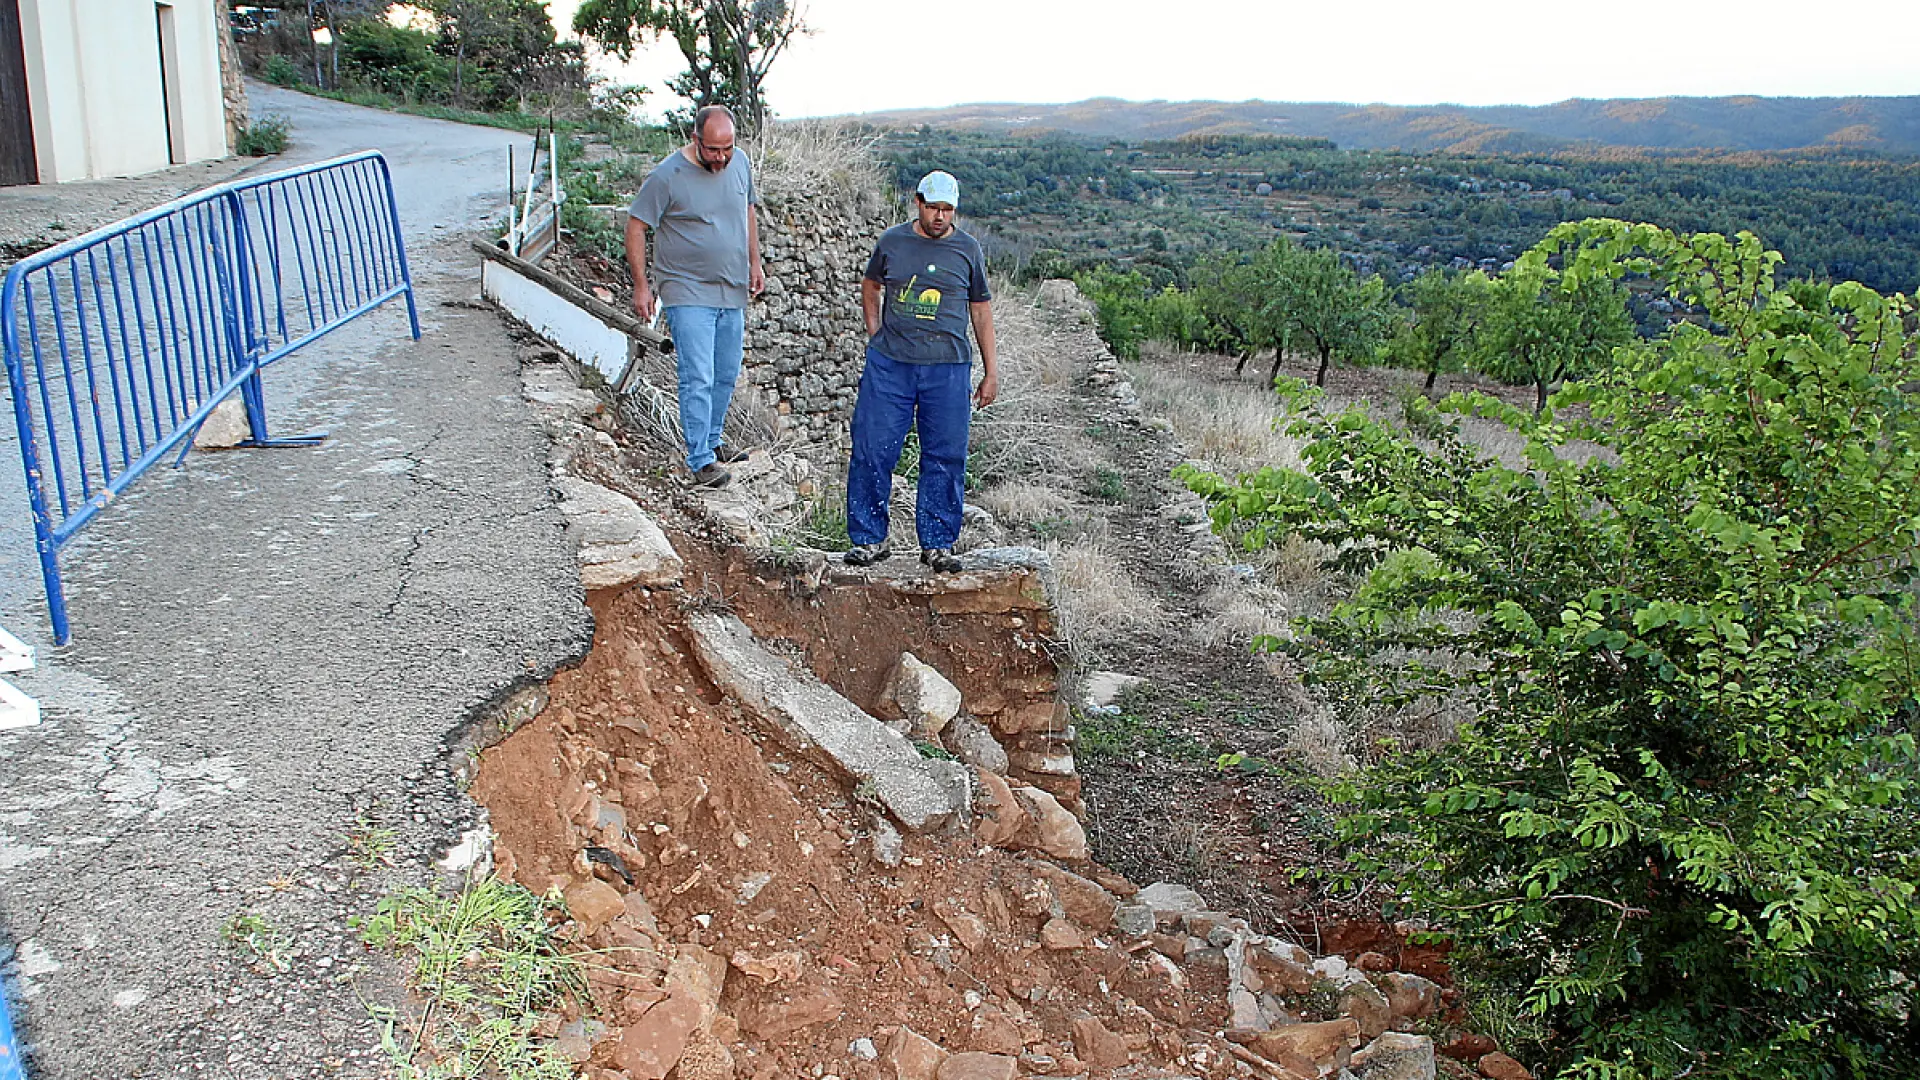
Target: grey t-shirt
<point>699,223</point>
<point>926,287</point>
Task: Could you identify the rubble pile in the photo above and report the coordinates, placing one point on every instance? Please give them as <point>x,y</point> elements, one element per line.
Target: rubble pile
<point>809,822</point>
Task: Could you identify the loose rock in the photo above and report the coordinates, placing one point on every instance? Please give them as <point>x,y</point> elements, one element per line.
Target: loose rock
<point>1409,996</point>
<point>977,1066</point>
<point>1098,1046</point>
<point>594,903</point>
<point>924,696</point>
<point>1498,1066</point>
<point>1395,1056</point>
<point>914,1056</point>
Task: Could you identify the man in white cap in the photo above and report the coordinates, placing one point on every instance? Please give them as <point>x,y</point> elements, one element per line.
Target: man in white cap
<point>925,285</point>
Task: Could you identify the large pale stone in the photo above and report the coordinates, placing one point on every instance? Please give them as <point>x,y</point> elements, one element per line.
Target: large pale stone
<point>594,903</point>
<point>1105,687</point>
<point>1278,971</point>
<point>999,818</point>
<point>924,696</point>
<point>618,543</point>
<point>811,718</point>
<point>1368,1007</point>
<point>226,426</point>
<point>1060,834</point>
<point>650,1047</point>
<point>773,1021</point>
<point>1498,1066</point>
<point>1085,902</point>
<point>1169,896</point>
<point>1410,996</point>
<point>1097,1045</point>
<point>1395,1056</point>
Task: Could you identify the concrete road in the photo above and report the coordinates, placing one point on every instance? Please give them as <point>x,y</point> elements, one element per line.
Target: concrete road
<point>272,652</point>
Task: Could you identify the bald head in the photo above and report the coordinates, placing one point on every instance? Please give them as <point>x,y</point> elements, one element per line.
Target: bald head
<point>713,135</point>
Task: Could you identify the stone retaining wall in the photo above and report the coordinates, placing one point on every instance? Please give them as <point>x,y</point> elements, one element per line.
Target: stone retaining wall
<point>805,336</point>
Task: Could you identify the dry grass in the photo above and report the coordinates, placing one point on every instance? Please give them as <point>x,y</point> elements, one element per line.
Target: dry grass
<point>808,159</point>
<point>1319,744</point>
<point>1020,502</point>
<point>652,410</point>
<point>1095,596</point>
<point>1240,612</point>
<point>1231,427</point>
<point>1021,437</point>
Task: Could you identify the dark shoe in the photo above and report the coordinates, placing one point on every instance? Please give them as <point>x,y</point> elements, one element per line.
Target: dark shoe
<point>867,554</point>
<point>942,560</point>
<point>727,455</point>
<point>711,475</point>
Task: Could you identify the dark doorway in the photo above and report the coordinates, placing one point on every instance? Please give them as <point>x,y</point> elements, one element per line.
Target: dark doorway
<point>17,162</point>
<point>170,98</point>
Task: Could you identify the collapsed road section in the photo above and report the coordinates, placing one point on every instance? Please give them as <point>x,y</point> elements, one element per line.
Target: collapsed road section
<point>813,822</point>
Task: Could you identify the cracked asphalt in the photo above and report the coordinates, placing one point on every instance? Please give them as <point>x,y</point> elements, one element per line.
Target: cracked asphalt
<point>275,657</point>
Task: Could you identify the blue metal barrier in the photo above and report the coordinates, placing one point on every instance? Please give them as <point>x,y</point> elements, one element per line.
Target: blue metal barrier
<point>11,1067</point>
<point>119,343</point>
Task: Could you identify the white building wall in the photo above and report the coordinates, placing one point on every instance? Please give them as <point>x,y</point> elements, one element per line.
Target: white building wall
<point>94,80</point>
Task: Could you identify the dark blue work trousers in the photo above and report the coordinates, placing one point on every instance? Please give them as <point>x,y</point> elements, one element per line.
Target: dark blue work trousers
<point>934,399</point>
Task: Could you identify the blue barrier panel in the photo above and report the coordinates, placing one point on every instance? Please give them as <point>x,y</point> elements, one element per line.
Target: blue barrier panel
<point>11,1067</point>
<point>119,343</point>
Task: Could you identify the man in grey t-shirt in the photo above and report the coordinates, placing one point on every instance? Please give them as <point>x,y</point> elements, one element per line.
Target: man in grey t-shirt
<point>699,203</point>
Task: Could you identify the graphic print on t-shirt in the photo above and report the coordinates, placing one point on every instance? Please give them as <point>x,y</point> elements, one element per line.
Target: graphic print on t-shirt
<point>924,304</point>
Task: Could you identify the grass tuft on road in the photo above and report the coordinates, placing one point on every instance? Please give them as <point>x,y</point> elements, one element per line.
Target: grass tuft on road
<point>487,963</point>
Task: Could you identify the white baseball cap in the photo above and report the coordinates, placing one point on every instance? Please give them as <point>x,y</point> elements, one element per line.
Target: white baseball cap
<point>940,187</point>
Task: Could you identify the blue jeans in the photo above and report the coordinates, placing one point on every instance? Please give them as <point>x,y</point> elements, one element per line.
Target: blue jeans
<point>707,343</point>
<point>936,400</point>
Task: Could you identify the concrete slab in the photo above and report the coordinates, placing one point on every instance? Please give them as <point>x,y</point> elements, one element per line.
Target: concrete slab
<point>813,719</point>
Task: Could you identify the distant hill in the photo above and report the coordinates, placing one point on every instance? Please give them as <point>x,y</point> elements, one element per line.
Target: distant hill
<point>1883,124</point>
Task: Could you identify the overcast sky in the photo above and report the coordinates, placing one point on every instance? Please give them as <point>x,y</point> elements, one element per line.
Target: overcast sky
<point>867,55</point>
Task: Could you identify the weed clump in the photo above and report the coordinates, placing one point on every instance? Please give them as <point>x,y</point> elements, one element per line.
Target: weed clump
<point>488,963</point>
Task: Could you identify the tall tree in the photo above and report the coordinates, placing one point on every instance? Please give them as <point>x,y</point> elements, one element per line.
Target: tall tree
<point>729,45</point>
<point>1311,299</point>
<point>1225,291</point>
<point>1541,328</point>
<point>501,48</point>
<point>1445,311</point>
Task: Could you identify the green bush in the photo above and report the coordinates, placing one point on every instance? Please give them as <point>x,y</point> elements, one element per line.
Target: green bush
<point>282,71</point>
<point>1120,302</point>
<point>1686,824</point>
<point>263,137</point>
<point>394,60</point>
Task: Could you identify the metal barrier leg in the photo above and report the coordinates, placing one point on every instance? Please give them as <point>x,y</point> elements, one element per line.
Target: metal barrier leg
<point>255,396</point>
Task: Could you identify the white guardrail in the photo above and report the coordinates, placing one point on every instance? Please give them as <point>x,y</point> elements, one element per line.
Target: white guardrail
<point>534,228</point>
<point>17,710</point>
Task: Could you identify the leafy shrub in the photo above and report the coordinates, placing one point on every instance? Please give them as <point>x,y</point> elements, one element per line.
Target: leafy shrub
<point>394,60</point>
<point>1687,823</point>
<point>1120,302</point>
<point>262,138</point>
<point>282,71</point>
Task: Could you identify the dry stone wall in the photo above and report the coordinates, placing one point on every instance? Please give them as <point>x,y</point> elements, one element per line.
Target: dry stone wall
<point>805,336</point>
